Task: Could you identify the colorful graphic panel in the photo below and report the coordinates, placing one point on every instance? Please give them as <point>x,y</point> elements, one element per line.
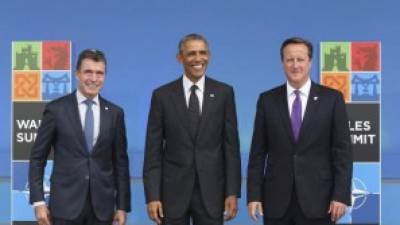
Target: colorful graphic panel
<point>41,72</point>
<point>354,68</point>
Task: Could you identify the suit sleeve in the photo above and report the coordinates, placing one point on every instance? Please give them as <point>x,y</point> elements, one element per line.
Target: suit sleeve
<point>121,165</point>
<point>39,153</point>
<point>153,151</point>
<point>258,151</point>
<point>231,148</point>
<point>342,153</point>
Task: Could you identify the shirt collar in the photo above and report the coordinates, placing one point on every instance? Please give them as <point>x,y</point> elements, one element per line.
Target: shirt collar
<point>187,84</point>
<point>304,90</point>
<point>81,98</point>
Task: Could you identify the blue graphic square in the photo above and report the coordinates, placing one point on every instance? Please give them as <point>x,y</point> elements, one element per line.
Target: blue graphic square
<point>20,175</point>
<point>22,210</point>
<point>366,87</point>
<point>369,212</point>
<point>55,84</point>
<point>365,195</point>
<point>5,199</point>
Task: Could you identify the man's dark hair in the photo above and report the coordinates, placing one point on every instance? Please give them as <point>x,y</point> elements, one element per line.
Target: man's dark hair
<point>190,37</point>
<point>93,54</point>
<point>297,40</point>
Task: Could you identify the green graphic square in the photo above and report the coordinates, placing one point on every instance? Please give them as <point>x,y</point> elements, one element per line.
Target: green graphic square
<point>335,56</point>
<point>27,55</point>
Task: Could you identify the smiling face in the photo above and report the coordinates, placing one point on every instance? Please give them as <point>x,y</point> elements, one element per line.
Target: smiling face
<point>194,56</point>
<point>296,64</point>
<point>91,77</point>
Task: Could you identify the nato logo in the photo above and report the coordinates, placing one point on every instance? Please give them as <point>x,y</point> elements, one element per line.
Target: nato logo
<point>55,84</point>
<point>365,87</point>
<point>365,197</point>
<point>22,210</point>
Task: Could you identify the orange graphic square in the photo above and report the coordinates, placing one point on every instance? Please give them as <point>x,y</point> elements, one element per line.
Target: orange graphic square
<point>26,86</point>
<point>338,81</point>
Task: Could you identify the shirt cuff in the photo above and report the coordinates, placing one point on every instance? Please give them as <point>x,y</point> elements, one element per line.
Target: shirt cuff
<point>40,203</point>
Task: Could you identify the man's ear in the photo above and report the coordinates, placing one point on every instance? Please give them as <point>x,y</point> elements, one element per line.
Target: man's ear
<point>179,58</point>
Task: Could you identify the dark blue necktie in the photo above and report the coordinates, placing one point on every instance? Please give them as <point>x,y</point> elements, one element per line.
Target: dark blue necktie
<point>89,124</point>
<point>296,115</point>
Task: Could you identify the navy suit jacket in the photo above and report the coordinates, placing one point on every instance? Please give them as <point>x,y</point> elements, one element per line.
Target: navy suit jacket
<point>103,172</point>
<point>318,165</point>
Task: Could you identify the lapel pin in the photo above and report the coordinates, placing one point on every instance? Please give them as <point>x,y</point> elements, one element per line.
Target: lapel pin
<point>212,95</point>
<point>315,98</point>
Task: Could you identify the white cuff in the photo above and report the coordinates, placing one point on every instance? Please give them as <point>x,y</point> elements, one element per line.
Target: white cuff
<point>39,203</point>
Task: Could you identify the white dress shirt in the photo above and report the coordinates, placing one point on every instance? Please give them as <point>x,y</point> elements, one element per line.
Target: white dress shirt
<point>187,84</point>
<point>304,93</point>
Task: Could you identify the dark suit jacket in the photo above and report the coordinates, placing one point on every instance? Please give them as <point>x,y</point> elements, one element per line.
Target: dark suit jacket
<point>104,173</point>
<point>173,157</point>
<point>318,165</point>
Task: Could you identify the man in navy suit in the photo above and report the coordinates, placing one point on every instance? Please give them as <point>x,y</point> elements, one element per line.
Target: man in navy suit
<point>192,161</point>
<point>300,163</point>
<point>90,179</point>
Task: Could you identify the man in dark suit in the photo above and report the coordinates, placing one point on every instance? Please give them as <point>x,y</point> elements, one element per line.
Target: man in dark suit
<point>300,163</point>
<point>90,179</point>
<point>192,159</point>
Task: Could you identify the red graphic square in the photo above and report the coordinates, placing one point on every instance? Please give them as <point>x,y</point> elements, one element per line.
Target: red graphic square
<point>365,56</point>
<point>56,55</point>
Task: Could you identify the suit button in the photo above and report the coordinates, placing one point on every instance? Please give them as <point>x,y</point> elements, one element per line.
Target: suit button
<point>87,177</point>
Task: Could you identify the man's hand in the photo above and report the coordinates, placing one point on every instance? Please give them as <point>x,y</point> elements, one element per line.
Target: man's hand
<point>255,209</point>
<point>337,210</point>
<point>231,208</point>
<point>120,217</point>
<point>42,214</point>
<point>155,211</point>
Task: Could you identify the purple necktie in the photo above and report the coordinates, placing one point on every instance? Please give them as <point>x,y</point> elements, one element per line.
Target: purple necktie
<point>296,115</point>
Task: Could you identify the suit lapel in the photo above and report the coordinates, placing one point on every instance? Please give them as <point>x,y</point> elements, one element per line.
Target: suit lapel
<point>281,101</point>
<point>209,94</point>
<point>311,109</point>
<point>178,98</point>
<point>73,114</point>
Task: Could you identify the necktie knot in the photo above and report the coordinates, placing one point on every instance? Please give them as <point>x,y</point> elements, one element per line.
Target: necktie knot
<point>193,88</point>
<point>88,103</point>
<point>297,93</point>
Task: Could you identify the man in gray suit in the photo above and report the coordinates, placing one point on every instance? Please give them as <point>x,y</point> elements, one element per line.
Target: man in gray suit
<point>192,159</point>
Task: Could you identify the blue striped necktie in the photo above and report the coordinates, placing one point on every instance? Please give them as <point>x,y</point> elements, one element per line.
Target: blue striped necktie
<point>89,124</point>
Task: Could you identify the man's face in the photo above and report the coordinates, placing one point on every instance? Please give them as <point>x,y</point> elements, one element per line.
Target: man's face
<point>296,64</point>
<point>91,77</point>
<point>194,57</point>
